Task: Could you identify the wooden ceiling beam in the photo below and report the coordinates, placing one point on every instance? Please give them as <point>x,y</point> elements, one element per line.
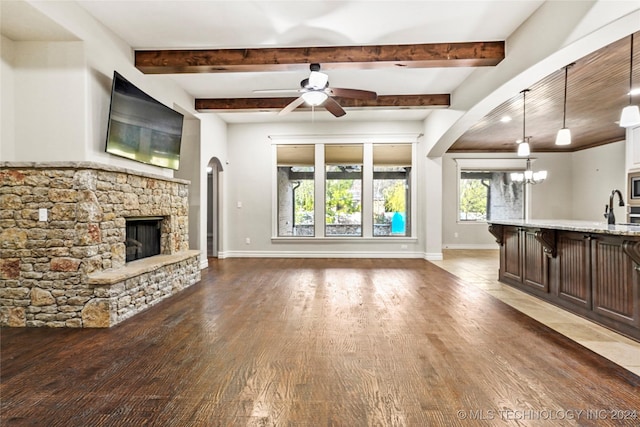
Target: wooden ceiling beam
<point>467,54</point>
<point>266,104</point>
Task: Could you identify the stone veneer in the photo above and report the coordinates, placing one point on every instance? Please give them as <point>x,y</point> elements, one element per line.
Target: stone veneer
<point>70,270</point>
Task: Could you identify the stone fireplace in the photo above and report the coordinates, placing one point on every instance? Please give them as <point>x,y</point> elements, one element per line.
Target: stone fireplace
<point>64,254</point>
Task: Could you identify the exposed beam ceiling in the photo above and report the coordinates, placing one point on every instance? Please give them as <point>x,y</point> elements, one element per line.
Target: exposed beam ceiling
<point>386,101</point>
<point>472,54</point>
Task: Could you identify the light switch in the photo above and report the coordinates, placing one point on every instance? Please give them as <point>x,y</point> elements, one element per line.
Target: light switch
<point>42,214</point>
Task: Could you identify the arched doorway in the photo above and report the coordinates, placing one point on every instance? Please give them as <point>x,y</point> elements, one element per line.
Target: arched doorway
<point>213,207</point>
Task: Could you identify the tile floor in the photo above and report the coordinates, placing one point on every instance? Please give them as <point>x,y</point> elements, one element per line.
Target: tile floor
<point>480,268</point>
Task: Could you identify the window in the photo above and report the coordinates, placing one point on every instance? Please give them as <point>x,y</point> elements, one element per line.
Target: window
<point>343,190</point>
<point>296,195</point>
<point>489,195</point>
<point>391,189</point>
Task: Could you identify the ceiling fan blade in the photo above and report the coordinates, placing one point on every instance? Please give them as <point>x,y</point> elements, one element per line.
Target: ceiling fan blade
<point>333,107</point>
<point>352,93</point>
<point>291,106</point>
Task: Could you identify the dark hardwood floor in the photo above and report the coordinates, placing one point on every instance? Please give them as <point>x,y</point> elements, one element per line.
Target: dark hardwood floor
<point>314,342</point>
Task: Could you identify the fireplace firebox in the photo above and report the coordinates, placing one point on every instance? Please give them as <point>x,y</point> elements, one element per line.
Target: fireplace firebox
<point>143,237</point>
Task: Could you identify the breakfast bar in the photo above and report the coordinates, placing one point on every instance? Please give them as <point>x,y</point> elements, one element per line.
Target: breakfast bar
<point>588,268</point>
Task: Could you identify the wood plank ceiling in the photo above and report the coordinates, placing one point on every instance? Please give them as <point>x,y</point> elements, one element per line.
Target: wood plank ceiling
<point>597,90</point>
<point>597,87</point>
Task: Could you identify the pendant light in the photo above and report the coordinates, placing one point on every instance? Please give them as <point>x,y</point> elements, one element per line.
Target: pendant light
<point>523,147</point>
<point>564,134</point>
<point>529,176</point>
<point>630,115</point>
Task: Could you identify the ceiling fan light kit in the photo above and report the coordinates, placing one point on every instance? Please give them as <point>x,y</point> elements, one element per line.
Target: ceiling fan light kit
<point>315,91</point>
<point>318,80</point>
<point>314,98</point>
<point>630,115</point>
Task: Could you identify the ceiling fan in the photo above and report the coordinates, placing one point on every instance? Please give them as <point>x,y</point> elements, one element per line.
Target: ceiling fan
<point>315,91</point>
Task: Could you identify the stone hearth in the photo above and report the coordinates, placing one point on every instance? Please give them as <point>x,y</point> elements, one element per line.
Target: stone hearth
<point>70,269</point>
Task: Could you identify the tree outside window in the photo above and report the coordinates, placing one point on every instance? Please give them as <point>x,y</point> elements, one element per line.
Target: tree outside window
<point>487,195</point>
<point>386,180</point>
<point>343,207</point>
<point>473,200</point>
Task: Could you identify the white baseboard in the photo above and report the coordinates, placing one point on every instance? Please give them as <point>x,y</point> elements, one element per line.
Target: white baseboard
<point>429,256</point>
<point>433,256</point>
<point>471,246</point>
<point>318,254</point>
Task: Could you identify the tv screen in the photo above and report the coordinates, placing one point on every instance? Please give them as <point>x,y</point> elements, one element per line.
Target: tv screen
<point>141,128</point>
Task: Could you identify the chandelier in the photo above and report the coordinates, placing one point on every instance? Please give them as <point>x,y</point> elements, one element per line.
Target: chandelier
<point>529,176</point>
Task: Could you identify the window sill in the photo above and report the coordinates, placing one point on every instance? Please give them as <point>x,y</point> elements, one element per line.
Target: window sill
<point>353,239</point>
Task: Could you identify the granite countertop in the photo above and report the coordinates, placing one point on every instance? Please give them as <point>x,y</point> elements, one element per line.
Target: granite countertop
<point>574,225</point>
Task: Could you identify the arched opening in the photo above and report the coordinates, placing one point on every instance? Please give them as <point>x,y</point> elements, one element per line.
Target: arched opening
<point>213,207</point>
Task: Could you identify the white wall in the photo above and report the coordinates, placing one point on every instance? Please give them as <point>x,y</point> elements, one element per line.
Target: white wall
<point>213,143</point>
<point>50,101</point>
<point>190,171</point>
<point>553,198</point>
<point>7,99</point>
<point>249,182</point>
<point>596,172</point>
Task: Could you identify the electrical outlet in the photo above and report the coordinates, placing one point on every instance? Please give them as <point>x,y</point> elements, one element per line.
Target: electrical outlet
<point>247,241</point>
<point>455,234</point>
<point>42,214</point>
<point>403,246</point>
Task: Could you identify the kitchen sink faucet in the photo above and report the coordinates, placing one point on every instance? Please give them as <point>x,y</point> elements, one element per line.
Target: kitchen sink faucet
<point>608,210</point>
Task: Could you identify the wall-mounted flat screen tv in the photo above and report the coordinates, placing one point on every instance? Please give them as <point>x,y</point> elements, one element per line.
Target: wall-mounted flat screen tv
<point>141,128</point>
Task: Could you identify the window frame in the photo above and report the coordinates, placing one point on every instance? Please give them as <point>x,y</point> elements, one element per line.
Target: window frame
<point>489,165</point>
<point>367,143</point>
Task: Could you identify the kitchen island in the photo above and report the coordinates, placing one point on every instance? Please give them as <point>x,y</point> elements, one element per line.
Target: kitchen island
<point>588,268</point>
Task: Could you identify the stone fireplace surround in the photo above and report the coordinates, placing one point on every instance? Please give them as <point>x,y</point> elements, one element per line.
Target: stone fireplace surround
<point>69,270</point>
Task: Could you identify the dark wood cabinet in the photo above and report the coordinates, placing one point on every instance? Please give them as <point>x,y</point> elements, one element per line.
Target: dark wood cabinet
<point>511,265</point>
<point>614,281</point>
<point>572,267</point>
<point>535,263</point>
<point>589,274</point>
<point>523,262</point>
